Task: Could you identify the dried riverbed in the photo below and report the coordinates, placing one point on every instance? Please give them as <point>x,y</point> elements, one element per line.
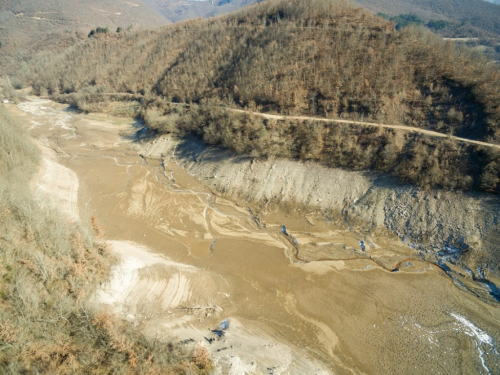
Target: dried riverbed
<point>191,257</point>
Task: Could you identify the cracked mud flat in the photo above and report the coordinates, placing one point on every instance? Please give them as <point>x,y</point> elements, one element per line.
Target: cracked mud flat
<point>191,258</point>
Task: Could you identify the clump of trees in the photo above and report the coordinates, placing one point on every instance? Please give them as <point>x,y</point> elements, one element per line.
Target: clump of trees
<point>405,20</point>
<point>103,30</point>
<point>98,30</point>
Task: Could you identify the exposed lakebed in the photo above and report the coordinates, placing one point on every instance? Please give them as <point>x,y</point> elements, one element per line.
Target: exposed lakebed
<point>193,257</point>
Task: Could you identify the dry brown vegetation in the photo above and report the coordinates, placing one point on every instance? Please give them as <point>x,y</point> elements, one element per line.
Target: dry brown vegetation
<point>322,57</point>
<point>49,268</point>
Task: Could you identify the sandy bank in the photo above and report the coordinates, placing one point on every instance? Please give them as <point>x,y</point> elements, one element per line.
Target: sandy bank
<point>56,184</point>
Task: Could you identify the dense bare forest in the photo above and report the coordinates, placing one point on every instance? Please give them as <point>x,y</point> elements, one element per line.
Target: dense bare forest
<point>323,58</point>
<point>417,158</point>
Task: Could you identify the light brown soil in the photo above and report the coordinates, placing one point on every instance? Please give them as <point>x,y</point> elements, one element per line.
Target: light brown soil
<point>285,316</point>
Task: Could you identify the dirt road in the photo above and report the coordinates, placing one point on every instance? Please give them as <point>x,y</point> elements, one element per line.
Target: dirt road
<point>362,123</point>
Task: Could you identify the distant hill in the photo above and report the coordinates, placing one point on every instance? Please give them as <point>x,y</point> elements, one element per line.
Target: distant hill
<point>494,1</point>
<point>73,13</point>
<point>31,26</point>
<point>180,10</point>
<point>478,13</point>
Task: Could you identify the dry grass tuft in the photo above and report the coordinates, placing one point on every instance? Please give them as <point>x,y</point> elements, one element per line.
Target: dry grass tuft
<point>201,358</point>
<point>98,229</point>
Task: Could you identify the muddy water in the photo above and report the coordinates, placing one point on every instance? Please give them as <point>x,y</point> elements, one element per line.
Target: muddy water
<point>199,258</point>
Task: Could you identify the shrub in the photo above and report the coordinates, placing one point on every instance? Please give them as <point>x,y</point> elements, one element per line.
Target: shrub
<point>98,30</point>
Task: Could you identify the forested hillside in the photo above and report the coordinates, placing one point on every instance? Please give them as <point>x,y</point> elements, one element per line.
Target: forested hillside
<point>475,20</point>
<point>320,58</point>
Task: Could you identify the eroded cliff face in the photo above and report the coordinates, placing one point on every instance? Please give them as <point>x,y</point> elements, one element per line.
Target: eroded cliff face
<point>444,227</point>
<point>435,222</point>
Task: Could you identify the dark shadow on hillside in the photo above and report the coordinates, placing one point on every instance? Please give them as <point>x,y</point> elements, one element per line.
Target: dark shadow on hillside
<point>73,109</point>
<point>193,148</point>
<point>142,133</point>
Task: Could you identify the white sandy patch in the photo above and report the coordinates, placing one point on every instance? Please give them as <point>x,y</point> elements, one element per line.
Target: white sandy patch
<point>34,124</point>
<point>321,268</point>
<point>187,213</point>
<point>39,108</point>
<point>57,184</point>
<point>63,120</point>
<point>230,226</point>
<point>168,211</point>
<point>145,282</point>
<point>471,330</point>
<point>484,343</point>
<point>34,107</point>
<point>247,349</point>
<point>244,349</point>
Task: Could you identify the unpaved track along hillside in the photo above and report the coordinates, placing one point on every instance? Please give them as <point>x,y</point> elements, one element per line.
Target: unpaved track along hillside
<point>405,128</point>
<point>191,258</point>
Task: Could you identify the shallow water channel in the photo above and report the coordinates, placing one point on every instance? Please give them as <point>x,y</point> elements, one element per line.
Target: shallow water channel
<point>192,258</point>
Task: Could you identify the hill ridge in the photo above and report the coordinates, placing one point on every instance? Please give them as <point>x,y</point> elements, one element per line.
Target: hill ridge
<point>317,59</point>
